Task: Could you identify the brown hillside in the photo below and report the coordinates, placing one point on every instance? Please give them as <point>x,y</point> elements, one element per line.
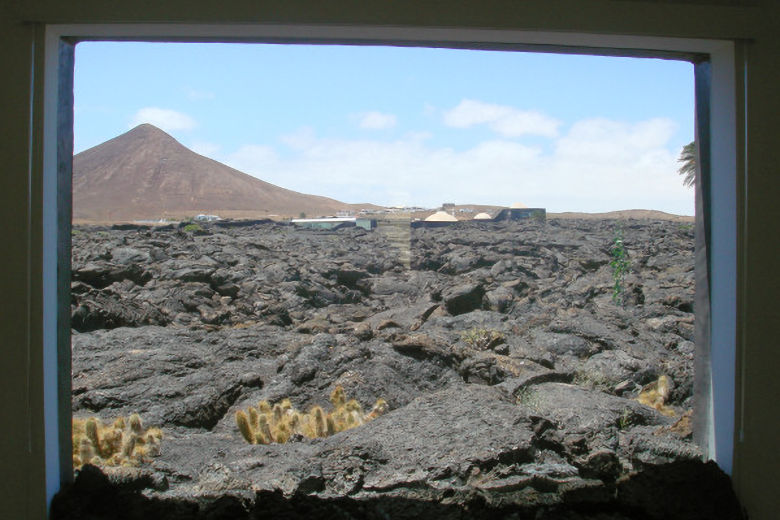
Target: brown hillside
<point>147,174</point>
<point>651,214</point>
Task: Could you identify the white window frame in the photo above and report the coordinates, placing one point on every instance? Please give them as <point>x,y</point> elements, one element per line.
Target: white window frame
<point>723,128</point>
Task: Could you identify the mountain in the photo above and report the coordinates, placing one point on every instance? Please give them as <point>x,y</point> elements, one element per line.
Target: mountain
<point>146,174</point>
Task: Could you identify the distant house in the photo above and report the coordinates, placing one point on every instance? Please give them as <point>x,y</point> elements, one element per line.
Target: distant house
<point>207,218</point>
<point>335,222</point>
<point>521,213</point>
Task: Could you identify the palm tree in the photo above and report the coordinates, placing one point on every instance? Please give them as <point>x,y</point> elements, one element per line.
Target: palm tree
<point>688,160</point>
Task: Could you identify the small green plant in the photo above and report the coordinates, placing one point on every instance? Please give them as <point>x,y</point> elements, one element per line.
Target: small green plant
<point>192,227</point>
<point>625,421</point>
<point>620,265</point>
<point>528,398</point>
<point>302,214</point>
<point>482,339</point>
<point>686,227</point>
<point>593,380</point>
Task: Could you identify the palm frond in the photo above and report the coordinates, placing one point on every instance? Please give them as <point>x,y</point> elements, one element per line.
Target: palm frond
<point>688,160</point>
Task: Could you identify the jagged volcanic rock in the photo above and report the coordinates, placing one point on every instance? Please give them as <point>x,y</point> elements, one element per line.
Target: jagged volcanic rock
<point>186,328</point>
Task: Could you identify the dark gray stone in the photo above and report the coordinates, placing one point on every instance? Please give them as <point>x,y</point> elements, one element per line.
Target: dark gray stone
<point>186,329</point>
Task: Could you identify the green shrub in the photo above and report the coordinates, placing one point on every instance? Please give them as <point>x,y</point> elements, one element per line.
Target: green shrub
<point>192,227</point>
<point>482,339</point>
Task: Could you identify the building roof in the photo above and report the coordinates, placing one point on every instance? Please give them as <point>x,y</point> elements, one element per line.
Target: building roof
<point>322,219</point>
<point>441,216</point>
<point>518,205</point>
<point>482,216</point>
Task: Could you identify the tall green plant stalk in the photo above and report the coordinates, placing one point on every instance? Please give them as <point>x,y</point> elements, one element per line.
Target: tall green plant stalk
<point>620,266</point>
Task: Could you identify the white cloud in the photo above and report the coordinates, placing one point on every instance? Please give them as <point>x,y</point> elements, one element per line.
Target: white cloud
<point>504,120</point>
<point>418,136</point>
<point>300,140</point>
<point>163,118</point>
<point>615,165</point>
<point>255,159</point>
<point>592,139</point>
<point>598,165</point>
<point>375,120</point>
<point>205,148</point>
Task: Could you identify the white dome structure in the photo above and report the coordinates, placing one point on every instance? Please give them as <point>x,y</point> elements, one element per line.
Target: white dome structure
<point>441,216</point>
<point>518,205</point>
<point>482,216</point>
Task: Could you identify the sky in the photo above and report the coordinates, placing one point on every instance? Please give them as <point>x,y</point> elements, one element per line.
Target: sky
<point>407,126</point>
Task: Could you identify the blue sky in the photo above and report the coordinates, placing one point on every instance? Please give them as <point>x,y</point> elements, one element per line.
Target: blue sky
<point>405,126</point>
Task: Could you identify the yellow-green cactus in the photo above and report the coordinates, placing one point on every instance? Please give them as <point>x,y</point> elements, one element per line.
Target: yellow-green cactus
<point>264,429</point>
<point>320,425</point>
<point>244,427</point>
<point>86,451</point>
<point>278,412</point>
<point>282,433</point>
<point>91,431</point>
<point>135,424</point>
<point>338,397</point>
<point>122,442</point>
<point>278,423</point>
<point>379,408</point>
<point>254,417</point>
<point>128,446</point>
<point>656,393</point>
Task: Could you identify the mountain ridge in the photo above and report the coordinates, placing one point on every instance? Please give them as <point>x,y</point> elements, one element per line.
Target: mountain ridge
<point>146,174</point>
